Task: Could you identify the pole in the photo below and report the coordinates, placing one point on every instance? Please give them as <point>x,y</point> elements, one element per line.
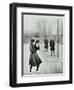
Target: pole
<point>57,37</point>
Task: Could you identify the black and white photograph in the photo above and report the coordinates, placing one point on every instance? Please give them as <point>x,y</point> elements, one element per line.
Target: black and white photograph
<point>42,44</point>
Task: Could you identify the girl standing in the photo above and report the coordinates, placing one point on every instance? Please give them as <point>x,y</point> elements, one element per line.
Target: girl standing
<point>34,58</point>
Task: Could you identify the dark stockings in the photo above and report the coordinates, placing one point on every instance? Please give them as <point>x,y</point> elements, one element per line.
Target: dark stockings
<point>37,67</point>
<point>52,52</point>
<point>30,68</point>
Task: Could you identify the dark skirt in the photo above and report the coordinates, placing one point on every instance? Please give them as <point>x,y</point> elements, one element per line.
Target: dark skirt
<point>34,59</point>
<point>46,46</point>
<point>52,48</point>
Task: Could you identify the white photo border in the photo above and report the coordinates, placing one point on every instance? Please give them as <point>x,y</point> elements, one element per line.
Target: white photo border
<point>47,78</point>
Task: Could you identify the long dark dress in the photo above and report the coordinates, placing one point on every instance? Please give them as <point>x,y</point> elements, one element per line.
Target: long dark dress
<point>52,45</point>
<point>34,59</point>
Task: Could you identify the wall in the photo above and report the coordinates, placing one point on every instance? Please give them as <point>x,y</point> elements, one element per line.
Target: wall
<point>4,43</point>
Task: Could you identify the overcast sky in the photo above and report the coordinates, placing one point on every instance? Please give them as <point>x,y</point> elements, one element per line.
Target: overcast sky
<point>42,24</point>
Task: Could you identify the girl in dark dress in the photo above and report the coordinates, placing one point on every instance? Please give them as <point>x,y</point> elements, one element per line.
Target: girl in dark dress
<point>34,58</point>
<point>46,44</point>
<point>52,47</point>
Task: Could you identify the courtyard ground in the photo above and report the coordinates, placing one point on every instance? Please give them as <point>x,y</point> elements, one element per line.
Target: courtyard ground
<point>50,64</point>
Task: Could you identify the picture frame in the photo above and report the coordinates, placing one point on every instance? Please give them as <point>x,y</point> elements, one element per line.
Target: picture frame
<point>28,21</point>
